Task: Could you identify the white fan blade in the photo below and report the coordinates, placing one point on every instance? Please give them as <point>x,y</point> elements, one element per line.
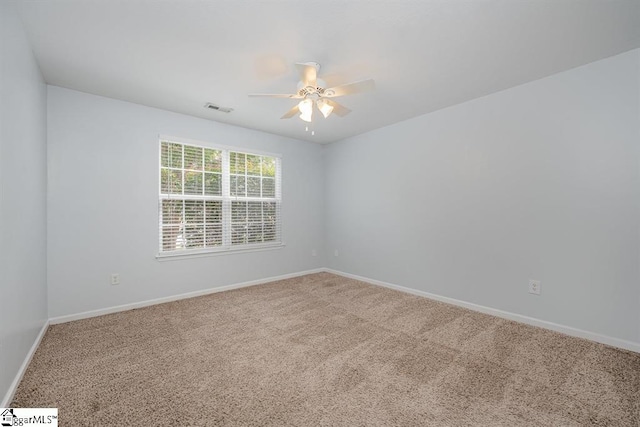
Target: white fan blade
<point>308,74</point>
<point>276,95</point>
<point>338,109</point>
<point>349,88</point>
<point>295,110</point>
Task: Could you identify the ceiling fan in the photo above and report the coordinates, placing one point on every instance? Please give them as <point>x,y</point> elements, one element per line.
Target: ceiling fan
<point>313,92</point>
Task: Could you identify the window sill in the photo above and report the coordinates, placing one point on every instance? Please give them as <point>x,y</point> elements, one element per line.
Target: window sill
<point>216,252</point>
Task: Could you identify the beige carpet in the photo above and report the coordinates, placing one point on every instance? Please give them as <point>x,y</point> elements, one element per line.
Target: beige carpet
<point>325,350</point>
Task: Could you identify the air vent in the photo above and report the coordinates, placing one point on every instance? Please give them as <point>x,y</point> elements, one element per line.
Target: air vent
<point>215,107</point>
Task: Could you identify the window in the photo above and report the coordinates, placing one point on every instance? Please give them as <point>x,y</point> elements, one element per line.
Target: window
<point>217,199</point>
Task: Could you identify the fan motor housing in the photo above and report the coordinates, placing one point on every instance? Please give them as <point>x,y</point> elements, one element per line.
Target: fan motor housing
<point>311,91</point>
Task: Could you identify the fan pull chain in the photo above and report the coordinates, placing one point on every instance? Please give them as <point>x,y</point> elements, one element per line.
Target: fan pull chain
<point>306,129</point>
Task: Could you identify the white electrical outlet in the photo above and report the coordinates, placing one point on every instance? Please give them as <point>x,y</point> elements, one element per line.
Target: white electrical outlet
<point>534,287</point>
<point>335,252</point>
<point>115,279</point>
<point>314,252</point>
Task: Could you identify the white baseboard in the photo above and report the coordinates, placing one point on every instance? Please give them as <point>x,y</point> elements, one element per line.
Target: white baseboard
<point>23,368</point>
<point>567,330</point>
<point>131,306</point>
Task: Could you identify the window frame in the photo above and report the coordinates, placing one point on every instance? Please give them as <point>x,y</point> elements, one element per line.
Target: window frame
<point>227,247</point>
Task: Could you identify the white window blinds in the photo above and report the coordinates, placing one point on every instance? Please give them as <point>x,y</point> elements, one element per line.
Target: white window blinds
<point>214,199</point>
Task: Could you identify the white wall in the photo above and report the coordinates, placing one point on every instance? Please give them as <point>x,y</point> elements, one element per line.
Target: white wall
<point>540,181</point>
<point>103,207</point>
<point>22,197</point>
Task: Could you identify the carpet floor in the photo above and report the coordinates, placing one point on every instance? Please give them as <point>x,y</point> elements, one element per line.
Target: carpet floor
<point>325,350</point>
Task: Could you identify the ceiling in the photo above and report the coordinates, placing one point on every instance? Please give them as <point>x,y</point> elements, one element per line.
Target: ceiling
<point>423,54</point>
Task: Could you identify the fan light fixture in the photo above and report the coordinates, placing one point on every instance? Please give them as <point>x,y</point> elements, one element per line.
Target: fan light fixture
<point>324,107</point>
<point>306,109</point>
